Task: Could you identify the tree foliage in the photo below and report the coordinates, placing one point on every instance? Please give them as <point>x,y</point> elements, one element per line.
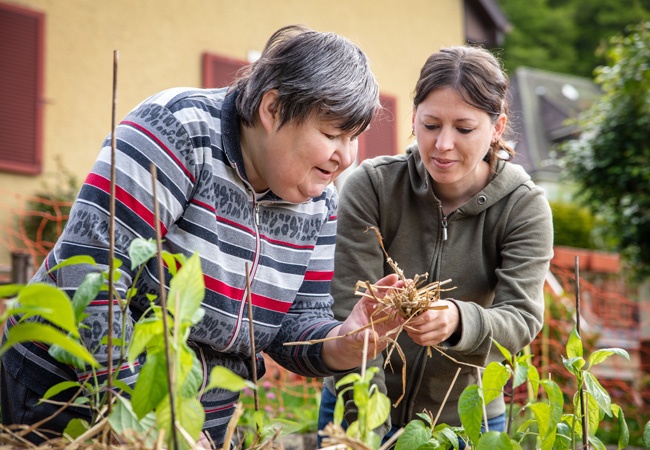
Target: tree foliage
<point>566,36</point>
<point>610,162</point>
<point>573,225</point>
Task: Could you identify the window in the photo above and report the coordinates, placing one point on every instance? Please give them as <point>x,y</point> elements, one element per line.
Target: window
<point>219,71</point>
<point>21,89</point>
<point>381,137</point>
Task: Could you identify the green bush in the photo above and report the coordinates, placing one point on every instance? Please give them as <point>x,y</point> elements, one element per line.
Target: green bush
<point>573,225</point>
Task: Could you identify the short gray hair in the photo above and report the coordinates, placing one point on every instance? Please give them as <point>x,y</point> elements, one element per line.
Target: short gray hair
<point>315,73</point>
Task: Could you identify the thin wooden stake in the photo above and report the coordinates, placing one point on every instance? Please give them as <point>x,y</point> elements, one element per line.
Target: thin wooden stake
<point>582,393</point>
<point>480,385</point>
<point>444,401</point>
<point>111,246</point>
<point>163,305</point>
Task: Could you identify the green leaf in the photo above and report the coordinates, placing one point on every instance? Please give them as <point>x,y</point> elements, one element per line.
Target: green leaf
<point>542,412</point>
<point>38,332</point>
<point>119,384</point>
<point>339,407</point>
<point>189,414</point>
<point>74,260</point>
<point>117,342</point>
<point>360,395</point>
<point>10,290</point>
<point>594,414</point>
<point>378,410</point>
<point>60,387</point>
<point>224,378</point>
<point>145,331</point>
<point>574,345</point>
<point>494,440</point>
<point>471,412</point>
<point>646,434</point>
<point>142,250</point>
<point>533,377</point>
<point>428,420</point>
<point>86,293</point>
<point>624,432</point>
<point>520,375</point>
<point>60,354</point>
<point>192,383</point>
<point>555,399</point>
<point>525,426</point>
<point>151,386</point>
<point>75,428</point>
<point>574,365</point>
<point>495,378</point>
<point>601,355</point>
<point>562,437</point>
<point>446,436</point>
<point>170,261</point>
<point>504,351</point>
<point>348,379</point>
<point>187,289</point>
<point>123,419</point>
<point>186,359</point>
<point>51,303</point>
<point>598,392</point>
<point>596,443</point>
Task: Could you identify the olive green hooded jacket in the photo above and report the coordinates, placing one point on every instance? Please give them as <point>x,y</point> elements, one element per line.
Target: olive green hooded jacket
<point>497,251</point>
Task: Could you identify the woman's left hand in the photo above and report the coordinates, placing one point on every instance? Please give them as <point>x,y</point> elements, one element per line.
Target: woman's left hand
<point>434,326</point>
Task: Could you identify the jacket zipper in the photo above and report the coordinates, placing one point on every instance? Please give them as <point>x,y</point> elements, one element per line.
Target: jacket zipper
<point>420,359</point>
<point>252,271</point>
<point>444,228</point>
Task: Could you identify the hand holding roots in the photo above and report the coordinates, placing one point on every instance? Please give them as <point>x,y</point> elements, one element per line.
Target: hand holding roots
<point>409,300</point>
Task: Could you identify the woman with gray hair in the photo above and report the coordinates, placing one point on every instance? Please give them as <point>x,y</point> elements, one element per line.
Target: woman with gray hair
<point>245,179</point>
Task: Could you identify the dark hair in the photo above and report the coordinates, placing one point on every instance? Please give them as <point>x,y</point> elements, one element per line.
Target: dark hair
<point>477,76</point>
<point>314,73</point>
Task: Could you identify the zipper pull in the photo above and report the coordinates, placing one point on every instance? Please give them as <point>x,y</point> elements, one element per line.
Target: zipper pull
<point>444,228</point>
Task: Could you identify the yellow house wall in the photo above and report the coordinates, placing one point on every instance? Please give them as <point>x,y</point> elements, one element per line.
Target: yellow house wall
<point>159,45</point>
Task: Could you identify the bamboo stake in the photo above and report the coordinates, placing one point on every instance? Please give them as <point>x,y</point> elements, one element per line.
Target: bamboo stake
<point>111,245</point>
<point>583,404</point>
<point>163,305</point>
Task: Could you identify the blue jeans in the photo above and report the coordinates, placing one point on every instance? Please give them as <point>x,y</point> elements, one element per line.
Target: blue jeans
<point>326,415</point>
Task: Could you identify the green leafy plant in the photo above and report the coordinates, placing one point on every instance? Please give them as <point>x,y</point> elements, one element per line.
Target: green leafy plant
<point>148,408</point>
<point>373,408</point>
<point>278,410</point>
<point>548,424</point>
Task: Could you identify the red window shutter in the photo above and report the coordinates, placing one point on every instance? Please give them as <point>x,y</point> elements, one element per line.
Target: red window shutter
<point>381,137</point>
<point>220,71</point>
<point>21,89</point>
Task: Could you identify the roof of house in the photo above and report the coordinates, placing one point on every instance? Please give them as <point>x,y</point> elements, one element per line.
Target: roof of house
<point>485,23</point>
<point>541,104</point>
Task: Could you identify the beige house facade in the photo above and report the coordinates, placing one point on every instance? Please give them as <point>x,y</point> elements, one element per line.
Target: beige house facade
<point>164,43</point>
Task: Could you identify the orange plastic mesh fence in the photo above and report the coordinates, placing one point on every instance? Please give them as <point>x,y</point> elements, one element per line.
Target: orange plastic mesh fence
<point>610,316</point>
<point>32,224</point>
